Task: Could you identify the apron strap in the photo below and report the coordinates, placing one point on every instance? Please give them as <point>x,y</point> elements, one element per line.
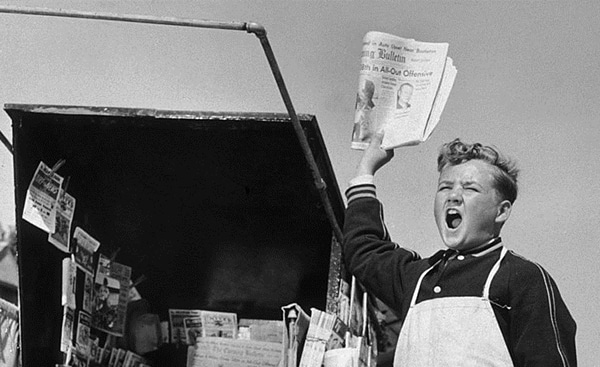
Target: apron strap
<point>416,292</point>
<point>486,288</point>
<point>488,283</point>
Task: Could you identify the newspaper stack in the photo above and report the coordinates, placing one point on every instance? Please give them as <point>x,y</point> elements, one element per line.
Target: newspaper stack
<point>403,87</point>
<point>319,332</point>
<point>226,352</point>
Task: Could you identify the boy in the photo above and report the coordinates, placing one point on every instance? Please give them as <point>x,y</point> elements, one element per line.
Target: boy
<point>476,303</point>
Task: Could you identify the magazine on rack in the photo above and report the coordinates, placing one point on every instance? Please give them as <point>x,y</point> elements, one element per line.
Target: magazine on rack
<point>111,290</point>
<point>403,87</point>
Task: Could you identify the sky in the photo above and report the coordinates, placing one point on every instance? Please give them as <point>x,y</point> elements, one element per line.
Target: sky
<point>528,82</point>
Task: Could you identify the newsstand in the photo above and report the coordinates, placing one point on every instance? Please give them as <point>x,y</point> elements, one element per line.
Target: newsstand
<point>210,210</point>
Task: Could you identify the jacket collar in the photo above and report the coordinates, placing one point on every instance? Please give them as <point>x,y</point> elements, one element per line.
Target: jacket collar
<point>478,251</point>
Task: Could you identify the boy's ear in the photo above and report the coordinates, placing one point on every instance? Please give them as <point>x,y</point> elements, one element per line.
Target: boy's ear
<point>504,209</point>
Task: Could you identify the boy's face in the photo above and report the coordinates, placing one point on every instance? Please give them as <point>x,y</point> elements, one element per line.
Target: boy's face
<point>468,210</point>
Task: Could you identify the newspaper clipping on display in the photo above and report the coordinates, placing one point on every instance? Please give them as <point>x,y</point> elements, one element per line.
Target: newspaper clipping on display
<point>40,203</point>
<point>403,87</point>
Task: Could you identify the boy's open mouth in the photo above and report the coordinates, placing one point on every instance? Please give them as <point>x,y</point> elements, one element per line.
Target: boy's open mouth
<point>453,218</point>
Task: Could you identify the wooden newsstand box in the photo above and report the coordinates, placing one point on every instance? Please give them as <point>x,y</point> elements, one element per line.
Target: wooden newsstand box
<point>215,211</point>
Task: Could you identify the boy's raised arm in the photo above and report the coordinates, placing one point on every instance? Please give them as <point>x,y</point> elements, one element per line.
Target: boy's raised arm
<point>374,157</point>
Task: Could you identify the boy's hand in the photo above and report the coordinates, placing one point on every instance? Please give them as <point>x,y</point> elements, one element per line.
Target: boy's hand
<point>374,157</point>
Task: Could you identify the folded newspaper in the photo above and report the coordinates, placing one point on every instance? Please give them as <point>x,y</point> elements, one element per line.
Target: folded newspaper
<point>403,87</point>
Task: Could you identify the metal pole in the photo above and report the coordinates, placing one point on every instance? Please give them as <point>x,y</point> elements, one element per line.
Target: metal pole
<point>314,169</point>
<point>237,26</point>
<point>255,28</point>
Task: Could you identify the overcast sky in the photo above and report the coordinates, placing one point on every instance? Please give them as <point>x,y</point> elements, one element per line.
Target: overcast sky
<point>528,82</point>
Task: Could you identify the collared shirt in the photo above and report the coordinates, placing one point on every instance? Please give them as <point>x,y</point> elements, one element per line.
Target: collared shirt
<point>478,251</point>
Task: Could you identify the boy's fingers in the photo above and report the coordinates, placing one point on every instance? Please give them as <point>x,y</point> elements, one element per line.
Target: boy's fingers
<point>378,137</point>
<point>376,140</point>
<point>390,153</point>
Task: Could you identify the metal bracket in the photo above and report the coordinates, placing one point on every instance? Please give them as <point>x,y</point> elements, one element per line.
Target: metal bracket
<point>6,143</point>
<point>249,27</point>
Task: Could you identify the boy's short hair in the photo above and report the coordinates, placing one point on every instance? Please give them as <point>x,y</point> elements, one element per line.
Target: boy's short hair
<point>505,174</point>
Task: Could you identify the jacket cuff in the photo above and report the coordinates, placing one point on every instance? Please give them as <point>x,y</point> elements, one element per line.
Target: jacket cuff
<point>361,187</point>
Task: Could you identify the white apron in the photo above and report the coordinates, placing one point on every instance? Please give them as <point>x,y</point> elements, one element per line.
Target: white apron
<point>452,331</point>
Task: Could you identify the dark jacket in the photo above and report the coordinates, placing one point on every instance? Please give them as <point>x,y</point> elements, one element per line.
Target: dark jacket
<point>535,322</point>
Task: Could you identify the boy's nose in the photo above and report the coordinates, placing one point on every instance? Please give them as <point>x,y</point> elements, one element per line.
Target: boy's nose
<point>455,197</point>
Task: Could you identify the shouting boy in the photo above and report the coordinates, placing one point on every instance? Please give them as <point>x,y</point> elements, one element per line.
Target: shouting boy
<point>475,303</point>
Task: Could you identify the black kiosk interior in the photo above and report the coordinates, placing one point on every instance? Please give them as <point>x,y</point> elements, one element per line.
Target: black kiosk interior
<point>216,211</point>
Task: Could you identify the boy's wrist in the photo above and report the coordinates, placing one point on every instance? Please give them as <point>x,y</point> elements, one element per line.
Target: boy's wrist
<point>364,169</point>
<point>361,180</point>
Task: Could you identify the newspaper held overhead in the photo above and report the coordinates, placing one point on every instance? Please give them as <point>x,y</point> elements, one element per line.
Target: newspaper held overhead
<point>403,87</point>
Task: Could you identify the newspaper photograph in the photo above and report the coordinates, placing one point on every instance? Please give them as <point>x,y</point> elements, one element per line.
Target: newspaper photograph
<point>84,247</point>
<point>40,203</point>
<point>82,343</point>
<point>88,288</point>
<point>403,88</point>
<point>193,329</point>
<point>177,323</point>
<point>219,324</point>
